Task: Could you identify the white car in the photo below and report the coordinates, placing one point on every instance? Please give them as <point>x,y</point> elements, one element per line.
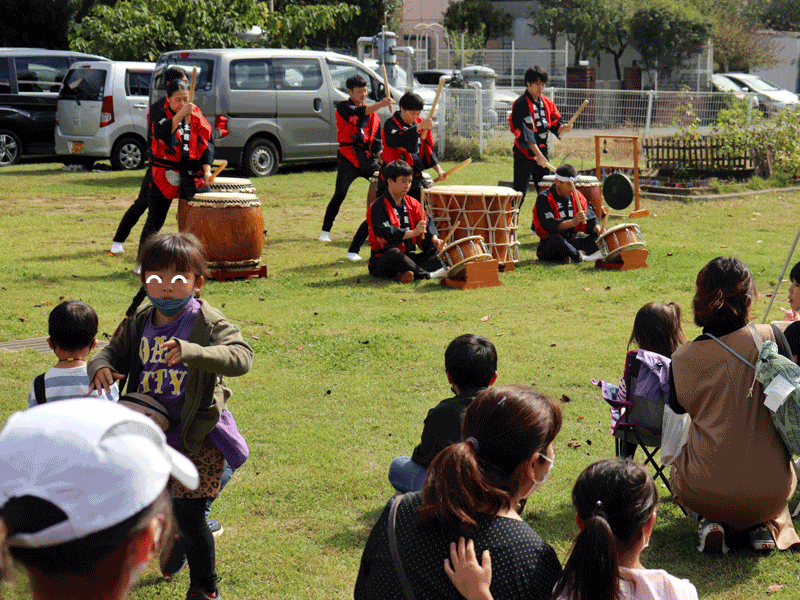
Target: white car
<point>770,98</point>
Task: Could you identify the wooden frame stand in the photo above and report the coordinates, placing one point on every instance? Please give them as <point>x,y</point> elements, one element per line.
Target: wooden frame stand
<point>480,274</point>
<point>225,274</point>
<point>627,260</point>
<point>634,143</point>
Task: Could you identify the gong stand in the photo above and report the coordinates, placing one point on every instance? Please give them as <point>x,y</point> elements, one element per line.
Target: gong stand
<point>634,142</point>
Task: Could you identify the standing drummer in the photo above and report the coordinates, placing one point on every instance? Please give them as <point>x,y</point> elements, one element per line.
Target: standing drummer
<point>532,117</point>
<point>357,126</point>
<point>565,221</point>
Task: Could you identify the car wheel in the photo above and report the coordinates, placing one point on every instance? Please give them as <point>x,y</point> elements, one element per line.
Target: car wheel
<point>10,148</point>
<point>260,158</point>
<point>128,154</point>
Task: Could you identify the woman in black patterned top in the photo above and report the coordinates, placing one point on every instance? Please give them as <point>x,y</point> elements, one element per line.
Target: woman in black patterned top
<point>474,488</point>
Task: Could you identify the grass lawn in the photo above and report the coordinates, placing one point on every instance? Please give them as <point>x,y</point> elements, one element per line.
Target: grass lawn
<point>346,367</point>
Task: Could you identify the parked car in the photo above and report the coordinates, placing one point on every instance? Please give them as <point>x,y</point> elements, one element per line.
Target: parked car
<point>102,113</point>
<point>270,106</point>
<point>770,98</point>
<point>29,82</point>
<point>432,76</point>
<point>724,85</point>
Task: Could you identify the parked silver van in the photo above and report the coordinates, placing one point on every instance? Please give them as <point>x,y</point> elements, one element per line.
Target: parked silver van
<point>270,106</point>
<point>102,113</point>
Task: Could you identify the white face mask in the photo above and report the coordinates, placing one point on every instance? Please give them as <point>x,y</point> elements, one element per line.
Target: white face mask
<point>537,483</point>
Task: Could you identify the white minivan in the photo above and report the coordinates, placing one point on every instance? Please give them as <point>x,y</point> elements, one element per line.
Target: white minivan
<point>102,113</point>
<point>270,106</point>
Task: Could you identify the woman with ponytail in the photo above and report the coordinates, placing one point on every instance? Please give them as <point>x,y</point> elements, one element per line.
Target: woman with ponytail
<point>615,508</point>
<point>472,488</point>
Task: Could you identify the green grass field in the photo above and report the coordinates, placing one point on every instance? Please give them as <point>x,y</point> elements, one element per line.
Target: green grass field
<point>346,367</point>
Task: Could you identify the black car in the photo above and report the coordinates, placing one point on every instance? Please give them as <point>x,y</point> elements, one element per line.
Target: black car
<point>29,82</point>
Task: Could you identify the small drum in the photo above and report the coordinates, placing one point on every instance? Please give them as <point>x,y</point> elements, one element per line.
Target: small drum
<point>230,226</point>
<point>625,236</point>
<point>463,251</point>
<point>232,184</point>
<point>588,185</point>
<point>488,211</point>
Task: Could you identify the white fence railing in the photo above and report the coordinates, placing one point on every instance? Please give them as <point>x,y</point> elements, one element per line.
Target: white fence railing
<point>471,113</point>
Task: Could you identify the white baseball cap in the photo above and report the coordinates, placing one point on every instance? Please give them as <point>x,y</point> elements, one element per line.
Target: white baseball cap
<point>99,462</point>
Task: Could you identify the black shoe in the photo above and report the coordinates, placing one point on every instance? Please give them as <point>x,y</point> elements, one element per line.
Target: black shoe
<point>173,558</point>
<point>196,593</point>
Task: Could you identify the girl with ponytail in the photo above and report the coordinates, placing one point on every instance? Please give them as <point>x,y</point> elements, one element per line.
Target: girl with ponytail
<point>615,502</point>
<point>472,488</point>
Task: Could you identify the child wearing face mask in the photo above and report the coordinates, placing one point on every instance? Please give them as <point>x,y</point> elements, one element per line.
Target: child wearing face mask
<point>177,349</point>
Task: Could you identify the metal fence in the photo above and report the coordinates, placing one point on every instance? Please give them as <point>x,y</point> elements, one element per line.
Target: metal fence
<point>478,114</point>
<point>510,64</point>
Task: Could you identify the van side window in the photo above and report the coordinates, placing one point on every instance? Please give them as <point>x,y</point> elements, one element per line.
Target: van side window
<point>342,71</point>
<point>297,74</point>
<point>40,73</point>
<point>251,74</point>
<point>5,77</point>
<point>137,83</point>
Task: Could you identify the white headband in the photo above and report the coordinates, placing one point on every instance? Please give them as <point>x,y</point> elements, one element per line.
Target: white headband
<point>567,179</point>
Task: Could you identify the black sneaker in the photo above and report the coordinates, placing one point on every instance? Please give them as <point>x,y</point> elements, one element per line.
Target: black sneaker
<point>173,558</point>
<point>215,527</point>
<point>761,539</point>
<point>196,593</point>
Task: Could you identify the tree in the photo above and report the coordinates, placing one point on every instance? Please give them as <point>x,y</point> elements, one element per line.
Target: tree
<point>144,29</point>
<point>477,17</point>
<point>666,34</point>
<point>614,30</point>
<point>41,23</point>
<point>781,15</point>
<point>370,21</point>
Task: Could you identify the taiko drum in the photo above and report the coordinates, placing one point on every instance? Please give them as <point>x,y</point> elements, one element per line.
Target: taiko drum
<point>588,185</point>
<point>625,236</point>
<point>457,254</point>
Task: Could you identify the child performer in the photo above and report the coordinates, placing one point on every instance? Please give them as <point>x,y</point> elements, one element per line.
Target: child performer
<point>615,503</point>
<point>178,349</point>
<point>357,126</point>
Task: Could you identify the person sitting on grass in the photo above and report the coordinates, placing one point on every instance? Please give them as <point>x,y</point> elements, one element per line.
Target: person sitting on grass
<point>73,328</point>
<point>396,227</point>
<point>615,504</point>
<point>470,363</point>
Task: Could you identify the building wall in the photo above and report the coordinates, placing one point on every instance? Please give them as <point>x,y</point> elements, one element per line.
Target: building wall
<point>786,72</point>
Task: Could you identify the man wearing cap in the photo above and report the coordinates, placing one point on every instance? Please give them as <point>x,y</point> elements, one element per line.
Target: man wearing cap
<point>565,222</point>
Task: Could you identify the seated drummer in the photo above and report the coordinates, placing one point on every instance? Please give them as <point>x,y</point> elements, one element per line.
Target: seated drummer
<point>396,226</point>
<point>565,222</point>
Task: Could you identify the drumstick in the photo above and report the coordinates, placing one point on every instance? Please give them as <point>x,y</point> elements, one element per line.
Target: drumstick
<point>435,101</point>
<point>387,93</point>
<point>191,92</point>
<point>222,164</point>
<point>551,167</point>
<point>578,112</point>
<point>605,220</point>
<point>577,200</point>
<point>454,169</point>
<point>449,235</point>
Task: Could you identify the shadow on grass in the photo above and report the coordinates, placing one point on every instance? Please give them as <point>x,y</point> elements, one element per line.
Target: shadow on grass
<point>356,536</point>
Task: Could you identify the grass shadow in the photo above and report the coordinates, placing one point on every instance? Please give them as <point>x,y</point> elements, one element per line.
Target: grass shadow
<point>355,537</point>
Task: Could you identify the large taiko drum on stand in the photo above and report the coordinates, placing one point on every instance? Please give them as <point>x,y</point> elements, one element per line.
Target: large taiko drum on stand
<point>588,185</point>
<point>488,211</point>
<point>230,226</point>
<point>625,236</point>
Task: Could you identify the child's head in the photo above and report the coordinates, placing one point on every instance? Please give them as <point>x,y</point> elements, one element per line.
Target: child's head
<point>399,176</point>
<point>534,74</point>
<point>176,251</point>
<point>615,502</point>
<point>471,362</point>
<point>72,326</point>
<point>657,328</point>
<point>411,106</point>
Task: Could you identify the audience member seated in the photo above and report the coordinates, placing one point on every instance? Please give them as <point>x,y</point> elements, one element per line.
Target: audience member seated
<point>470,363</point>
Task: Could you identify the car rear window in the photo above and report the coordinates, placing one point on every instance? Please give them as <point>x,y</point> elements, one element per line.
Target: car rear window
<point>137,83</point>
<point>205,72</point>
<point>84,84</point>
<point>37,74</point>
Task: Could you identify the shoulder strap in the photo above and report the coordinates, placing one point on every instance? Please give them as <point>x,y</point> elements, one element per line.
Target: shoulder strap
<point>731,350</point>
<point>401,574</point>
<point>38,389</point>
<point>756,336</point>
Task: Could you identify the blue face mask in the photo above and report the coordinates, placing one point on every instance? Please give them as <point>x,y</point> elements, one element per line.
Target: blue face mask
<point>169,307</point>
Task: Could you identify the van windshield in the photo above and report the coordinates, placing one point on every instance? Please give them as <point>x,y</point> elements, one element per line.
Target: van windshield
<point>84,84</point>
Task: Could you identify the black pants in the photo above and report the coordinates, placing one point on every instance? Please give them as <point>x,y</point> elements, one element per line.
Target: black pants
<point>557,247</point>
<point>362,233</point>
<point>346,174</point>
<point>135,210</point>
<point>394,261</point>
<point>190,515</point>
<point>525,170</point>
<point>157,209</point>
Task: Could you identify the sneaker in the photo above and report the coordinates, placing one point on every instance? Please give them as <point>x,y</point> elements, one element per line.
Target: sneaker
<point>173,558</point>
<point>591,257</point>
<point>215,527</point>
<point>196,593</point>
<point>325,236</point>
<point>405,277</point>
<point>116,248</point>
<point>761,539</point>
<point>353,256</point>
<point>438,273</point>
<point>712,538</point>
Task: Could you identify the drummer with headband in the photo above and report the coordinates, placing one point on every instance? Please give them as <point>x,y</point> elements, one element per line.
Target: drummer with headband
<point>532,116</point>
<point>565,221</point>
<point>397,226</point>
